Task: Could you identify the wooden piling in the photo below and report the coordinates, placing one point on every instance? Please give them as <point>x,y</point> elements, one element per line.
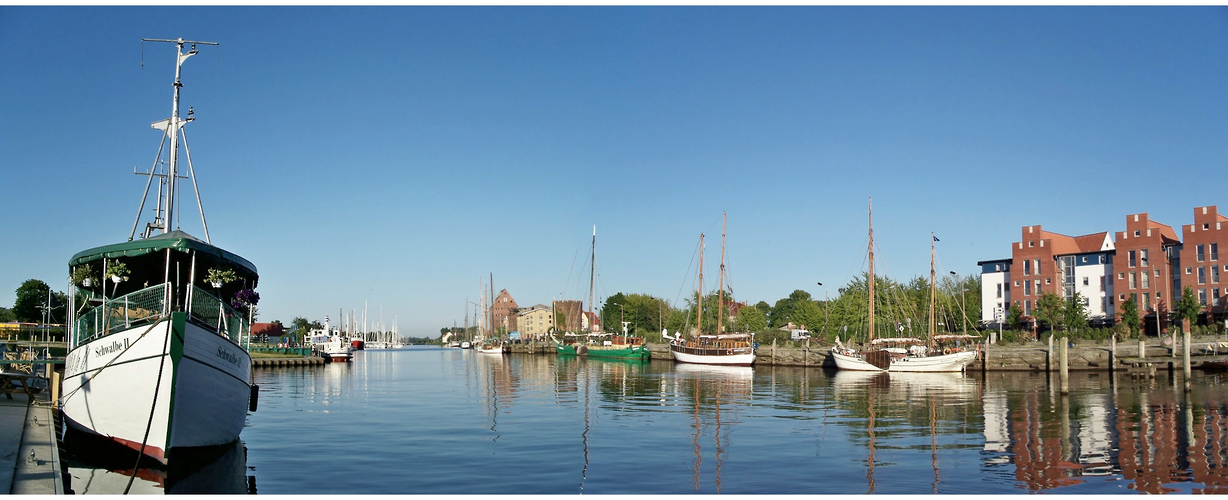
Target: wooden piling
<point>1112,351</point>
<point>1065,361</point>
<point>1185,358</point>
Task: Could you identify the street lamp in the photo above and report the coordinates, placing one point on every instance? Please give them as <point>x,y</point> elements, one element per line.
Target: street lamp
<point>964,298</point>
<point>826,308</point>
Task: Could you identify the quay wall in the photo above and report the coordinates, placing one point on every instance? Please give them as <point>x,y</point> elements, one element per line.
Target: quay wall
<point>1013,358</point>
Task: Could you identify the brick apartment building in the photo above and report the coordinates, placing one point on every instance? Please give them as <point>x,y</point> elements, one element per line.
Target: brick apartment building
<point>1146,262</point>
<point>1204,267</point>
<point>1146,269</point>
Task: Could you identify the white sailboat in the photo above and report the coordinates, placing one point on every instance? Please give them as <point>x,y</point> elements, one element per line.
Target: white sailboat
<point>736,349</point>
<point>159,325</point>
<point>901,354</point>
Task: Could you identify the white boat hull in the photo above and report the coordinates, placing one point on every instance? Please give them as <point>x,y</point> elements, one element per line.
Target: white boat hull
<point>196,381</point>
<point>954,362</point>
<point>492,350</point>
<point>733,357</point>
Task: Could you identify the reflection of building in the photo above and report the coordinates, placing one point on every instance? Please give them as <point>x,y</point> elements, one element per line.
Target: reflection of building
<point>504,311</point>
<point>535,322</point>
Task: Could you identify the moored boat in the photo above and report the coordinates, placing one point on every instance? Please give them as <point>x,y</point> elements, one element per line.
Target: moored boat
<point>733,349</point>
<point>601,344</point>
<point>159,326</point>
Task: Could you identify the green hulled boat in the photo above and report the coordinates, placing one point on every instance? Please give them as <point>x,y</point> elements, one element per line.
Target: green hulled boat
<point>610,346</point>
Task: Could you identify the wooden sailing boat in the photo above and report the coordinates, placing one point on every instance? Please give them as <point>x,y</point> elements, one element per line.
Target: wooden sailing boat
<point>736,349</point>
<point>602,344</point>
<point>901,354</point>
<point>491,344</point>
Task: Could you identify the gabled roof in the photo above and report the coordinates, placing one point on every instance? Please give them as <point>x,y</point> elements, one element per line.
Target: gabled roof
<point>1095,242</point>
<point>1166,232</point>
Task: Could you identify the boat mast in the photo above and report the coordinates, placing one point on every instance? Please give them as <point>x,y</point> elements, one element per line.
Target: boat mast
<point>591,277</point>
<point>171,127</point>
<point>720,297</point>
<point>932,291</point>
<point>699,293</point>
<point>871,283</point>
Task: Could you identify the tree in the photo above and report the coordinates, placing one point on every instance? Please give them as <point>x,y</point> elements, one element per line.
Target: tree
<point>1188,306</point>
<point>1049,309</point>
<point>1074,314</point>
<point>807,314</point>
<point>1014,316</point>
<point>751,319</point>
<point>1129,316</point>
<point>6,315</point>
<point>32,296</point>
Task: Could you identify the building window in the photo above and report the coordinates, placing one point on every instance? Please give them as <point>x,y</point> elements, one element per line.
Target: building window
<point>1036,286</point>
<point>997,267</point>
<point>1102,283</point>
<point>1121,297</point>
<point>1027,308</point>
<point>1085,281</point>
<point>1136,233</point>
<point>1102,259</point>
<point>1202,275</point>
<point>1189,270</point>
<point>1027,288</point>
<point>1206,226</point>
<point>1048,281</point>
<point>999,290</point>
<point>1143,283</point>
<point>1202,297</point>
<point>1157,273</point>
<point>1121,276</point>
<point>1027,268</point>
<point>1037,266</point>
<point>1202,255</point>
<point>1131,258</point>
<point>1214,252</point>
<point>1215,296</point>
<point>1214,274</point>
<point>1132,280</point>
<point>1143,257</point>
<point>1031,243</point>
<point>1146,304</point>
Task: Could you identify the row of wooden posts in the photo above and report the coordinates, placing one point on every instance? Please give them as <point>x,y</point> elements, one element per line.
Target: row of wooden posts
<point>1064,358</point>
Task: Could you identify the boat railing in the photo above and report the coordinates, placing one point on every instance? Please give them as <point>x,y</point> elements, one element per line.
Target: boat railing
<point>123,312</point>
<point>216,314</point>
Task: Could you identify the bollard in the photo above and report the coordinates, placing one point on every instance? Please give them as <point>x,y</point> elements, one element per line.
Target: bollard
<point>1142,349</point>
<point>1112,351</point>
<point>1049,356</point>
<point>1065,361</point>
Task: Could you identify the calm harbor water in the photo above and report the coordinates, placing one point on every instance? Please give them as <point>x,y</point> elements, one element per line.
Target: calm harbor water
<point>428,420</point>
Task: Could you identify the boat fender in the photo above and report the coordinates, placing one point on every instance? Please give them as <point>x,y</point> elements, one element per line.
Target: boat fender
<point>946,351</point>
<point>254,399</point>
<point>729,352</point>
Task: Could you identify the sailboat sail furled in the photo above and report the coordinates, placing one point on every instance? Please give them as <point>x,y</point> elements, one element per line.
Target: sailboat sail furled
<point>719,348</point>
<point>159,325</point>
<point>903,354</point>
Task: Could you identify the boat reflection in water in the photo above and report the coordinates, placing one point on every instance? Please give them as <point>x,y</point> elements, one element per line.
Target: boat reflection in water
<point>219,470</point>
<point>711,386</point>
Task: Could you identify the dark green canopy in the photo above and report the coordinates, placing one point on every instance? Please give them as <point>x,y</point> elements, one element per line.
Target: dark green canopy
<point>175,240</point>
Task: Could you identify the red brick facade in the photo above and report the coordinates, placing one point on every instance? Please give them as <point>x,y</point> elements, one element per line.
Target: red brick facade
<point>504,311</point>
<point>1203,267</point>
<point>1143,268</point>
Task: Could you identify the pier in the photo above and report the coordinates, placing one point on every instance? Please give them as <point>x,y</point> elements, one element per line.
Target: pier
<point>29,455</point>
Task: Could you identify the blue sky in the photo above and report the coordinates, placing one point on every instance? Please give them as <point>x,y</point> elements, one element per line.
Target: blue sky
<point>397,155</point>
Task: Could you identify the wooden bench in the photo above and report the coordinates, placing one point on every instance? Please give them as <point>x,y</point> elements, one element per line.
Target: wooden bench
<point>19,367</point>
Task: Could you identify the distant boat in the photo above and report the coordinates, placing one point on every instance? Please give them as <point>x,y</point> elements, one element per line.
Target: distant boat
<point>903,354</point>
<point>159,326</point>
<point>464,345</point>
<point>337,348</point>
<point>736,349</point>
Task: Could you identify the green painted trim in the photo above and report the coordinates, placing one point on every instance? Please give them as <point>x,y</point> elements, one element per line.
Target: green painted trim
<point>178,328</point>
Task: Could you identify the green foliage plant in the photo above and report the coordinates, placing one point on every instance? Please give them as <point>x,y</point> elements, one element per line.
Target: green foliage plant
<point>82,273</point>
<point>116,269</point>
<point>222,276</point>
<point>1129,316</point>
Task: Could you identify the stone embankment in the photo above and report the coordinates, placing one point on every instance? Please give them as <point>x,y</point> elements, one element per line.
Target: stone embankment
<point>1028,356</point>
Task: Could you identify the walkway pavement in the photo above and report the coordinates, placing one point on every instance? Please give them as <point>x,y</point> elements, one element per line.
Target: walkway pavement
<point>28,447</point>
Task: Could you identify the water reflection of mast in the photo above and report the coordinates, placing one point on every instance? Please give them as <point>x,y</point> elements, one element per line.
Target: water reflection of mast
<point>719,459</point>
<point>870,431</point>
<point>934,442</point>
<point>584,435</point>
<point>696,440</point>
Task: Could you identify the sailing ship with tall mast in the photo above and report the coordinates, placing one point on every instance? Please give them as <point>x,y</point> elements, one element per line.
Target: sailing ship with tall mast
<point>159,325</point>
<point>491,343</point>
<point>602,344</point>
<point>901,354</point>
<point>736,349</point>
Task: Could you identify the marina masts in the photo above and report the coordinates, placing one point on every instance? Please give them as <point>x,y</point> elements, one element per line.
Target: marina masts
<point>592,272</point>
<point>932,291</point>
<point>699,292</point>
